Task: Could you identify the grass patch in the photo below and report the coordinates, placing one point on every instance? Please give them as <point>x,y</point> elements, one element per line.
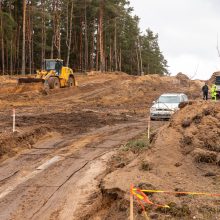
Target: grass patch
<point>209,212</point>
<point>3,150</point>
<point>145,166</point>
<point>137,145</point>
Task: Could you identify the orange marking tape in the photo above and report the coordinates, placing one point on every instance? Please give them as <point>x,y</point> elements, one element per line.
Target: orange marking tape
<point>183,193</point>
<point>140,196</point>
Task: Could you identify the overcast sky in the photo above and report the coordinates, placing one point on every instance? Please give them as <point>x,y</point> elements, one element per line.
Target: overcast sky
<point>187,31</point>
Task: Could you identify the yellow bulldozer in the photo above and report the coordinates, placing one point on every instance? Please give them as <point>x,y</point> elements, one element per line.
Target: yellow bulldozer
<point>53,76</point>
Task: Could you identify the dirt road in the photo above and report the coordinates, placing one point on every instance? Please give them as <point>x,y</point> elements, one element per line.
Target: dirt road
<point>56,178</point>
<point>52,166</point>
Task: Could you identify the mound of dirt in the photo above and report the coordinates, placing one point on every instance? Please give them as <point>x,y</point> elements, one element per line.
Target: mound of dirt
<point>183,79</point>
<point>184,156</point>
<point>93,73</point>
<point>12,143</point>
<point>8,79</point>
<point>198,125</point>
<point>26,88</point>
<point>9,85</point>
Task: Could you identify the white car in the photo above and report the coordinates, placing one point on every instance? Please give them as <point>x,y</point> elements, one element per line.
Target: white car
<point>166,105</point>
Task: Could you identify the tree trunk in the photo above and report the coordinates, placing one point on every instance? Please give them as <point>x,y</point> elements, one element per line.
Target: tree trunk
<point>23,41</point>
<point>115,47</point>
<point>43,34</point>
<point>101,45</point>
<point>6,57</point>
<point>11,44</point>
<point>131,61</point>
<point>138,61</point>
<point>110,55</point>
<point>18,47</point>
<point>29,36</point>
<point>140,54</point>
<point>120,59</point>
<point>97,49</point>
<point>53,36</point>
<point>148,66</point>
<point>32,54</point>
<point>11,57</point>
<point>51,50</point>
<point>86,37</point>
<point>56,25</point>
<point>81,49</point>
<point>59,45</point>
<point>93,47</point>
<point>2,43</point>
<point>69,35</point>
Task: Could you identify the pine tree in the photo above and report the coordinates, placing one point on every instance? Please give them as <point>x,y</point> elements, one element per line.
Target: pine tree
<point>154,62</point>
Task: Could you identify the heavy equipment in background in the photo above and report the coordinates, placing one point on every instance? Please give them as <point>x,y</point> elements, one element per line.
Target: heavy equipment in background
<point>53,76</point>
<point>217,83</point>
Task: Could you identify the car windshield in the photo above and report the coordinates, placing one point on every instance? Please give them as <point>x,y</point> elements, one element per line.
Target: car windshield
<point>50,65</point>
<point>169,99</point>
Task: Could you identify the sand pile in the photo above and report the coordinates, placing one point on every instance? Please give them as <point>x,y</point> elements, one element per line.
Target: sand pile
<point>184,156</point>
<point>199,127</point>
<point>183,79</point>
<point>9,85</point>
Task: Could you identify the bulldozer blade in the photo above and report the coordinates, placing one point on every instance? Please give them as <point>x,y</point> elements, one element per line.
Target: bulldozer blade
<point>30,80</point>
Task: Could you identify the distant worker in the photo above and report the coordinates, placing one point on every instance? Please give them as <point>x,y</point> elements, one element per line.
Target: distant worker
<point>205,90</point>
<point>214,92</point>
<point>58,67</point>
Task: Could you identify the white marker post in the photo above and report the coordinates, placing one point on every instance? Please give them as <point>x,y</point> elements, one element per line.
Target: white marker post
<point>148,129</point>
<point>13,127</point>
<point>131,204</point>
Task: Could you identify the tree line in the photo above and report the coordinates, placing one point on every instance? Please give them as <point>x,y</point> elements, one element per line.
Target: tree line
<point>100,35</point>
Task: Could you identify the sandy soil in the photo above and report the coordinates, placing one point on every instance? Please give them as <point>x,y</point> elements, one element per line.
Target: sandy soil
<point>184,157</point>
<point>60,162</point>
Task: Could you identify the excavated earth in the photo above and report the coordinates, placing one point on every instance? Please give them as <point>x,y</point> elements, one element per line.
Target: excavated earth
<point>184,157</point>
<point>66,158</point>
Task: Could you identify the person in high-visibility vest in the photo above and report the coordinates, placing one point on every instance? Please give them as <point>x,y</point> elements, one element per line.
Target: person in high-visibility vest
<point>214,92</point>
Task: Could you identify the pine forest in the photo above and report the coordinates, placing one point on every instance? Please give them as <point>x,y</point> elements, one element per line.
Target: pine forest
<point>89,35</point>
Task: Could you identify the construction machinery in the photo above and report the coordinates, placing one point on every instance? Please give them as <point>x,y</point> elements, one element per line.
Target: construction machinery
<point>215,80</point>
<point>217,83</point>
<point>53,76</point>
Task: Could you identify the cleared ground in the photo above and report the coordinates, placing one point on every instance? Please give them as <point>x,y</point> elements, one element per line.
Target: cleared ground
<point>61,160</point>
